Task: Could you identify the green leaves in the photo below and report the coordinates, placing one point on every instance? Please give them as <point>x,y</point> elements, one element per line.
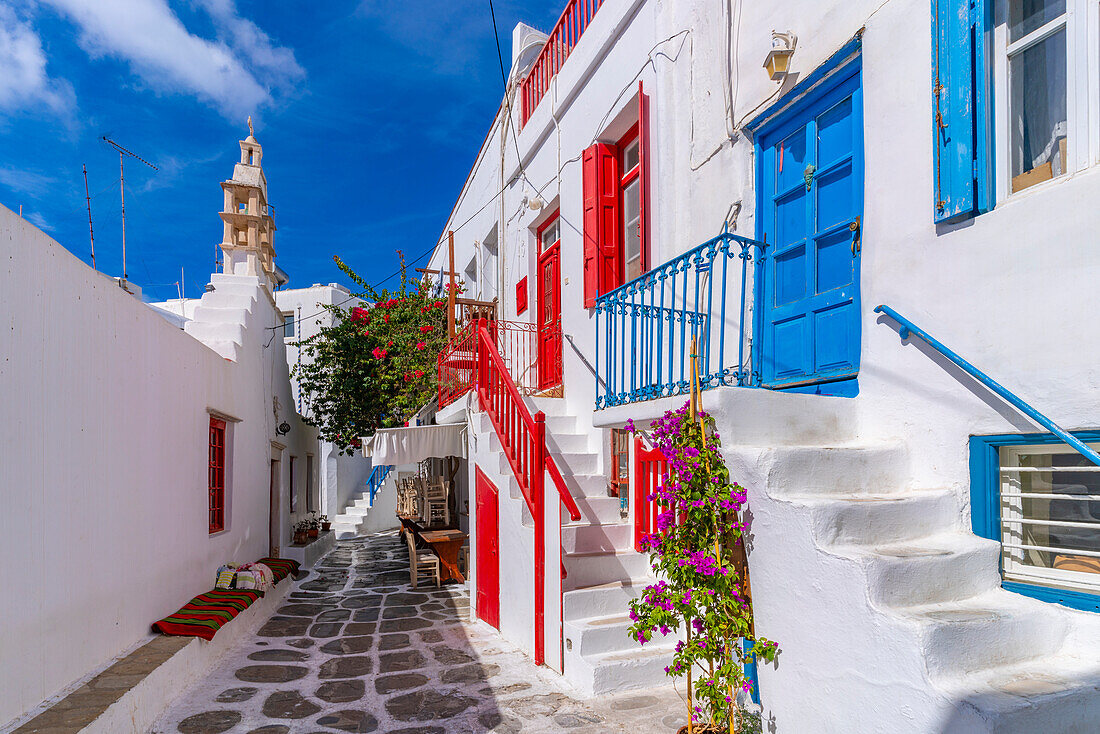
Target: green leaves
<point>376,366</point>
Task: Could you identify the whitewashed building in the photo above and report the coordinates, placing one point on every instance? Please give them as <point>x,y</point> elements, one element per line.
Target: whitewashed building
<point>137,457</point>
<point>925,542</point>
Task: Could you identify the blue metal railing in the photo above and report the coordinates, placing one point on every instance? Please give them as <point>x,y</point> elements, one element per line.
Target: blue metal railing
<point>645,328</point>
<point>377,477</point>
<point>908,328</point>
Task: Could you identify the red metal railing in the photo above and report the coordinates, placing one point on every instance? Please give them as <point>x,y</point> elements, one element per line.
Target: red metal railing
<point>523,440</point>
<point>572,23</point>
<point>650,470</point>
<point>517,344</point>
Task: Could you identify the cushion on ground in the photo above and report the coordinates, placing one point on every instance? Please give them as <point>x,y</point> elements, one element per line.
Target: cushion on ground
<point>204,615</point>
<point>281,567</point>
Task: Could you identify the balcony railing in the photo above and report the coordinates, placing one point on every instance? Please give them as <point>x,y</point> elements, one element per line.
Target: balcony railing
<point>645,329</point>
<point>517,344</point>
<point>573,22</point>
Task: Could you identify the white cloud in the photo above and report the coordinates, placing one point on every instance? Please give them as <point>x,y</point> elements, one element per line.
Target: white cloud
<point>26,182</point>
<point>235,72</point>
<point>23,78</point>
<point>38,220</point>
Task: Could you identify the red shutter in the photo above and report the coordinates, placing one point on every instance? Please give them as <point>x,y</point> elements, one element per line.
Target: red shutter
<point>600,173</point>
<point>643,174</point>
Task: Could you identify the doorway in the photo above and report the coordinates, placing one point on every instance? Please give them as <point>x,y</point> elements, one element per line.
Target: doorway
<point>810,181</point>
<point>487,550</point>
<point>549,304</point>
<point>273,525</point>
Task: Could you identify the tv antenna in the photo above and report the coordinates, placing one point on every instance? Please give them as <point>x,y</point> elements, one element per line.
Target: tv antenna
<point>88,198</point>
<point>122,153</point>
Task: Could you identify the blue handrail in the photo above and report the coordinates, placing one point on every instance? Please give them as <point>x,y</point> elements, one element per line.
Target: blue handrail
<point>377,477</point>
<point>908,327</point>
<point>645,328</point>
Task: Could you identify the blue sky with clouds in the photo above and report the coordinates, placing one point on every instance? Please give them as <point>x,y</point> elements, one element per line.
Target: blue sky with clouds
<point>370,113</point>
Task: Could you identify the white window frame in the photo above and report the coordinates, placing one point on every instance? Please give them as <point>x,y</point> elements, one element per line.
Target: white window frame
<point>1082,24</point>
<point>1013,569</point>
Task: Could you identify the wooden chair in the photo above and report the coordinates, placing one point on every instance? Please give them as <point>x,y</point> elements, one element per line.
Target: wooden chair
<point>464,560</point>
<point>422,563</point>
<point>438,508</point>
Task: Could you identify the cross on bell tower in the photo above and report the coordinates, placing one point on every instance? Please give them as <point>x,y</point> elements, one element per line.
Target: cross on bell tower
<point>249,227</point>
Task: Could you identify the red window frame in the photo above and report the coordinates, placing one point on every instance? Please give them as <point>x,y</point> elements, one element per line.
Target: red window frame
<point>216,475</point>
<point>603,183</point>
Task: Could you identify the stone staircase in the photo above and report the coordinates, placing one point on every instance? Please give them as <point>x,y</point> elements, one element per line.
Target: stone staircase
<point>918,593</point>
<point>347,524</point>
<point>221,318</point>
<point>603,571</point>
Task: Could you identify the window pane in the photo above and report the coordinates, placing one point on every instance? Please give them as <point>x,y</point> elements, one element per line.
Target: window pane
<point>630,156</point>
<point>288,324</point>
<point>550,235</point>
<point>1037,112</point>
<point>632,235</point>
<point>1050,502</point>
<point>1024,16</point>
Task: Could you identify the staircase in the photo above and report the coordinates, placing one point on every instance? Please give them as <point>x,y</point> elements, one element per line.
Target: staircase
<point>603,571</point>
<point>222,316</point>
<point>347,524</point>
<point>901,597</point>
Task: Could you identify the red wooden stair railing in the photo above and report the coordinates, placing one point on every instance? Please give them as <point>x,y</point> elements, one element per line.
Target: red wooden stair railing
<point>523,440</point>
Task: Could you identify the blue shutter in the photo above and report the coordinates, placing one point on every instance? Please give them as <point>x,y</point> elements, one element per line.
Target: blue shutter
<point>960,120</point>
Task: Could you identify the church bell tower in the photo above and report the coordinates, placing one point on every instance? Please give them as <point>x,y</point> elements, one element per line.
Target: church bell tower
<point>249,227</point>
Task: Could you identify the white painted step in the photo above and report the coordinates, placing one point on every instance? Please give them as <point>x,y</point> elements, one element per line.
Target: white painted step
<point>607,537</point>
<point>813,470</point>
<point>590,569</point>
<point>949,567</point>
<point>232,313</point>
<point>992,629</point>
<point>870,517</point>
<point>629,669</point>
<point>1057,694</point>
<point>215,332</point>
<point>555,425</point>
<point>602,600</point>
<point>597,635</point>
<point>556,443</point>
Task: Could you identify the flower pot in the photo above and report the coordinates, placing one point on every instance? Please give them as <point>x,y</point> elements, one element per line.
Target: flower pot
<point>700,729</point>
<point>314,532</point>
<point>300,538</point>
<point>326,526</point>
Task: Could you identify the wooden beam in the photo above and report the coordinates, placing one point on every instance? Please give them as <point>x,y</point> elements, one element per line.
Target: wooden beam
<point>430,271</point>
<point>451,292</point>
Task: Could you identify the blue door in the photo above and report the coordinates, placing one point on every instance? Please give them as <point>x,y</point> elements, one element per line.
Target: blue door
<point>810,177</point>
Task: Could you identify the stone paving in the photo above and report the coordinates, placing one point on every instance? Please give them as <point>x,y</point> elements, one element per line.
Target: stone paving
<point>356,648</point>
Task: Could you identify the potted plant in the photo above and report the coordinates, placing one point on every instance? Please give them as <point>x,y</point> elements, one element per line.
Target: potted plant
<point>301,532</point>
<point>314,525</point>
<point>325,524</point>
<point>698,556</point>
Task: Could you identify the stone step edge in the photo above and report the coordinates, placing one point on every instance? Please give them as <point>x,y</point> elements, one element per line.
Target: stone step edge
<point>182,662</point>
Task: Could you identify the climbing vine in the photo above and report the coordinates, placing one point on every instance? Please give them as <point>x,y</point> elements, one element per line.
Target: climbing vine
<point>698,556</point>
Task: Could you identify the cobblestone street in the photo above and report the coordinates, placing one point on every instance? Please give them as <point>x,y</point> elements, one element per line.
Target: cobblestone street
<point>355,648</point>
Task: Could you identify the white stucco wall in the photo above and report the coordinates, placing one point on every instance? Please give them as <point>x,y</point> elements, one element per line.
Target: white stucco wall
<point>104,455</point>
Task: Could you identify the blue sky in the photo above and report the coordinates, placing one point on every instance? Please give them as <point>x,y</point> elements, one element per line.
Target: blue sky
<point>370,113</point>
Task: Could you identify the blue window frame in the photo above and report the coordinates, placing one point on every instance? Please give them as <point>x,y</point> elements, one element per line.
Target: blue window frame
<point>1030,566</point>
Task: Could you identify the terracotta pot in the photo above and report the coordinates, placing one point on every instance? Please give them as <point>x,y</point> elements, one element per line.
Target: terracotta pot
<point>326,526</point>
<point>300,538</point>
<point>699,730</point>
<point>314,532</point>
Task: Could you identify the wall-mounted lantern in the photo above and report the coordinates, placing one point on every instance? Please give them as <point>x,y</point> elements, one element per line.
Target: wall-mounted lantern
<point>779,58</point>
<point>283,429</point>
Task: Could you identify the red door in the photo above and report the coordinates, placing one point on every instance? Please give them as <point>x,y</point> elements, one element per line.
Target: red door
<point>487,552</point>
<point>549,316</point>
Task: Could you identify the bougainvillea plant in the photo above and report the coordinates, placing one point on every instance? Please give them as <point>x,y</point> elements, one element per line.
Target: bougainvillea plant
<point>697,555</point>
<point>375,367</point>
